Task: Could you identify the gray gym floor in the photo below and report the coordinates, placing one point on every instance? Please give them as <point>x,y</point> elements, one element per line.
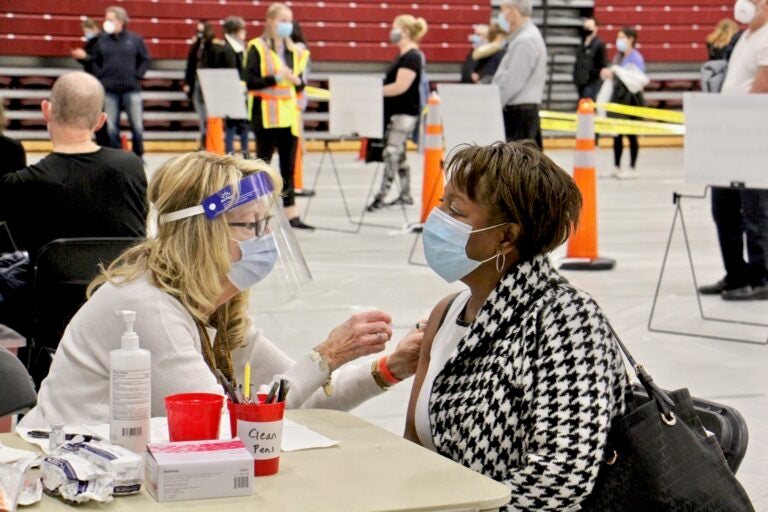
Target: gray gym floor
<point>371,269</point>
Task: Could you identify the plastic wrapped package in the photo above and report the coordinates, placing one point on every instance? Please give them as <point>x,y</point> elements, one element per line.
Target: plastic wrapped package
<point>76,479</point>
<point>10,485</point>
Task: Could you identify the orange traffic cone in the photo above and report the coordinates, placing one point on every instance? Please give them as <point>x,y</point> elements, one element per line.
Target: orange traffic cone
<point>124,142</point>
<point>214,136</point>
<point>434,180</point>
<point>582,244</point>
<point>298,172</point>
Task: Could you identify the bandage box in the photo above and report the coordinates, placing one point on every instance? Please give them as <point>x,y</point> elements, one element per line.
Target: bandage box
<point>195,470</point>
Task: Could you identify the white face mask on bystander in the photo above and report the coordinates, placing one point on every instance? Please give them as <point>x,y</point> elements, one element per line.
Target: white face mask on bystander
<point>744,11</point>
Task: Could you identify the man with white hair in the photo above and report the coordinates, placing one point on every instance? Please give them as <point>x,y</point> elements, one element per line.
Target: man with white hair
<point>522,72</point>
<point>120,59</point>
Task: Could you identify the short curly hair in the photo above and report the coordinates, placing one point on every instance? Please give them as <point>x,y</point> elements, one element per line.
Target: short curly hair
<point>518,183</point>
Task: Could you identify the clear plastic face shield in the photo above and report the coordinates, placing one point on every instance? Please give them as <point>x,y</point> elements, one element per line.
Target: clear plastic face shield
<point>264,249</point>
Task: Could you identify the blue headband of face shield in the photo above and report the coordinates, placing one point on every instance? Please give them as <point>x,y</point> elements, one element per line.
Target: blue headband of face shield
<point>250,188</point>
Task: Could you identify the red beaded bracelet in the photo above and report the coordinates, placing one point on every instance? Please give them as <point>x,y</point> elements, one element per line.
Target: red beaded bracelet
<point>385,374</point>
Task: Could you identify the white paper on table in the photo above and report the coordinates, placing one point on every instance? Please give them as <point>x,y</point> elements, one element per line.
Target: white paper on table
<point>8,454</point>
<point>298,437</point>
<point>295,436</point>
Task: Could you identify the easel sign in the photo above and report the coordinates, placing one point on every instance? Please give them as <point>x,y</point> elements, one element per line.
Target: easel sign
<point>224,96</point>
<point>356,107</point>
<point>472,113</point>
<point>726,139</point>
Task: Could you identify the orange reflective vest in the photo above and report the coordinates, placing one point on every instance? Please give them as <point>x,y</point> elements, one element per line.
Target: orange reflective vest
<point>279,105</point>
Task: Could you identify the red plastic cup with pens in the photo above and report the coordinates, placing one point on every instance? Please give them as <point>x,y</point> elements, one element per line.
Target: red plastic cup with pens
<point>260,427</point>
<point>193,416</point>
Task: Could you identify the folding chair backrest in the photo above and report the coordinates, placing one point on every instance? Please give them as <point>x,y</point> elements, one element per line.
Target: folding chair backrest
<point>18,393</point>
<point>724,421</point>
<point>63,270</point>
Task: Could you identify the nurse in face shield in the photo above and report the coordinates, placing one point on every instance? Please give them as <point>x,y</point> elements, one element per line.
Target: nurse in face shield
<point>221,230</point>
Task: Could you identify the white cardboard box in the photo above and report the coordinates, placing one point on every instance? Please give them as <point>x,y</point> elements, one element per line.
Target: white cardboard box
<point>194,470</point>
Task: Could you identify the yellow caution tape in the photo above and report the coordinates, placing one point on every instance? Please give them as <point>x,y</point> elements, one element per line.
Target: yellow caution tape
<point>644,112</point>
<point>317,93</point>
<point>605,125</point>
<point>549,114</point>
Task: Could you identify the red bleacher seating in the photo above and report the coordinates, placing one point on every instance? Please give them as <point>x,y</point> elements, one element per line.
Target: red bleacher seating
<point>667,31</point>
<point>337,31</point>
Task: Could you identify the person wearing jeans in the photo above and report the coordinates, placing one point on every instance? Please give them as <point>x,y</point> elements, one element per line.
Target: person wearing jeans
<point>131,103</point>
<point>120,59</point>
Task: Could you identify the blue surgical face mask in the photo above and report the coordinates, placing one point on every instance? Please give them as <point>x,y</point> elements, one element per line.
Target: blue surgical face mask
<point>502,22</point>
<point>284,29</point>
<point>622,45</point>
<point>395,35</point>
<point>258,258</point>
<point>476,40</point>
<point>445,245</point>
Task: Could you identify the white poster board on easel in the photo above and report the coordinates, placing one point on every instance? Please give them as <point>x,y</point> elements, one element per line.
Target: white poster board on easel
<point>472,113</point>
<point>356,107</point>
<point>222,92</point>
<point>726,139</point>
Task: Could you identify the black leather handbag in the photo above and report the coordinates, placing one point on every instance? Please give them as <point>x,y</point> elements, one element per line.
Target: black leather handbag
<point>659,457</point>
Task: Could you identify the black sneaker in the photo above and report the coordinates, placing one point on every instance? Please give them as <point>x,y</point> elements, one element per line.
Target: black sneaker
<point>713,289</point>
<point>746,293</point>
<point>402,200</point>
<point>375,205</point>
<point>296,223</point>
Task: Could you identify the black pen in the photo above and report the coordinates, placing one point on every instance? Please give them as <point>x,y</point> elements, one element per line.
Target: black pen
<point>42,434</point>
<point>271,395</point>
<point>227,387</point>
<point>283,390</point>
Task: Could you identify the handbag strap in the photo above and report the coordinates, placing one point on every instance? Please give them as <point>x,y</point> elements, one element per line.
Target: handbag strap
<point>662,399</point>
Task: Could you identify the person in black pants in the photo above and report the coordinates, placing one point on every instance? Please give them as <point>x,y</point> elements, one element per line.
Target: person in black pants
<point>202,54</point>
<point>272,98</point>
<point>84,56</point>
<point>590,60</point>
<point>738,212</point>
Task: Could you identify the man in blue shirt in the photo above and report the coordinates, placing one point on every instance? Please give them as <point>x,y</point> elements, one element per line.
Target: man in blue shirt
<point>120,59</point>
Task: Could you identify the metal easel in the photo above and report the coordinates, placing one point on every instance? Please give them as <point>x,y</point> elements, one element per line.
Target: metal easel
<point>677,200</point>
<point>358,223</point>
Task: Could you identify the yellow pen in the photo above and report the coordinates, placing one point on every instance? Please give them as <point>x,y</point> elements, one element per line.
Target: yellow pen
<point>247,383</point>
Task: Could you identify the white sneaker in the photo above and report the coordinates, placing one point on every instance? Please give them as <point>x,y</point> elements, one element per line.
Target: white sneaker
<point>627,175</point>
<point>616,173</point>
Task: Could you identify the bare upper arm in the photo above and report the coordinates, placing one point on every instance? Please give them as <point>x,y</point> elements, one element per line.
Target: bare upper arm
<point>433,325</point>
<point>760,85</point>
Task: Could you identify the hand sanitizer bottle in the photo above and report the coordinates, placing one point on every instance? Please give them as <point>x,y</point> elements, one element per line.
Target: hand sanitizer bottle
<point>130,390</point>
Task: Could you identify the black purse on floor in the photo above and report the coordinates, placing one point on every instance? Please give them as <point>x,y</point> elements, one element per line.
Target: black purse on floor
<point>659,458</point>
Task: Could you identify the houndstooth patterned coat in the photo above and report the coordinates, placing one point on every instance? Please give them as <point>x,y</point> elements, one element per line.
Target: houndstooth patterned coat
<point>527,398</point>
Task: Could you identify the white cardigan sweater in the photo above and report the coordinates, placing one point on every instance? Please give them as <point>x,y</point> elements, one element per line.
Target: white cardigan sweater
<point>76,390</point>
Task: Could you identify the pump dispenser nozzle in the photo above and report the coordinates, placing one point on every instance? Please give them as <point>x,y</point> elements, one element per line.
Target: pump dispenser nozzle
<point>129,340</point>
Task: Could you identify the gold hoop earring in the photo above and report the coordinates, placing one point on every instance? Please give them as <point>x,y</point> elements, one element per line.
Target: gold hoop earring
<point>500,266</point>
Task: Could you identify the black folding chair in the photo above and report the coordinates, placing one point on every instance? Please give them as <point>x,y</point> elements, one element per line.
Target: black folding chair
<point>18,394</point>
<point>63,269</point>
<point>724,421</point>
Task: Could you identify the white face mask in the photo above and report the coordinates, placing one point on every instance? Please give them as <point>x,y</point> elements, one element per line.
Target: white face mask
<point>109,26</point>
<point>744,11</point>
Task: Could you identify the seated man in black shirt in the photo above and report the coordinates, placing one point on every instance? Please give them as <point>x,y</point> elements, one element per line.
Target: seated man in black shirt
<point>80,189</point>
<point>14,156</point>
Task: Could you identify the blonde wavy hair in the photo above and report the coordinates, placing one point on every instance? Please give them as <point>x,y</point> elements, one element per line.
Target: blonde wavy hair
<point>189,258</point>
<point>415,27</point>
<point>723,33</point>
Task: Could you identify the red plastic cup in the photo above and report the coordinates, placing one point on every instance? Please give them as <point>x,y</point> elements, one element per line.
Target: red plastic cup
<point>260,428</point>
<point>194,416</point>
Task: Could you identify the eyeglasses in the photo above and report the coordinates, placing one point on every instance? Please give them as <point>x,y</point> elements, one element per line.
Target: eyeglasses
<point>259,228</point>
